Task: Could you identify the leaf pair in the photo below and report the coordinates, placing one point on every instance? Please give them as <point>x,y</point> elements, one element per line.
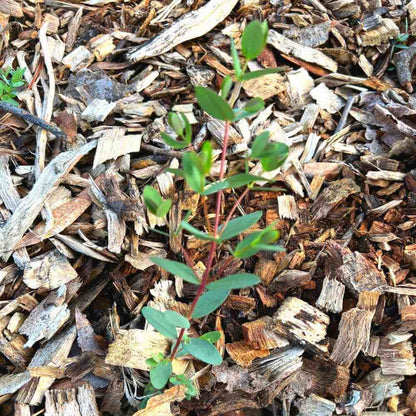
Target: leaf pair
<point>180,125</point>
<point>217,106</point>
<point>271,154</point>
<point>233,228</point>
<point>181,379</point>
<point>155,203</point>
<point>257,241</point>
<point>165,322</point>
<point>195,167</point>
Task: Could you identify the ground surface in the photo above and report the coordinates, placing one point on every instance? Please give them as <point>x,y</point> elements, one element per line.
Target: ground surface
<point>330,329</point>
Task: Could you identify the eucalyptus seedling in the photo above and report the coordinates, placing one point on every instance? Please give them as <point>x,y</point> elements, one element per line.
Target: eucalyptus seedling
<point>195,170</point>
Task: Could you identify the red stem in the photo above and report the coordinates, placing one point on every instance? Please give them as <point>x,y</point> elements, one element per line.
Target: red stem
<point>213,243</point>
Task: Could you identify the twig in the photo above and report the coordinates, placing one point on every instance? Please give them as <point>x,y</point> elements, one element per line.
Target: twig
<point>30,118</point>
<point>46,113</point>
<point>345,114</point>
<point>159,151</point>
<point>213,243</point>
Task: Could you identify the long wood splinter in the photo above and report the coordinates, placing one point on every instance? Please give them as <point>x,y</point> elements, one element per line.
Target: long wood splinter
<point>30,118</point>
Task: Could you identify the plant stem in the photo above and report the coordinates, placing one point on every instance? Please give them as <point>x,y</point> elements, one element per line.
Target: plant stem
<point>230,214</point>
<point>213,245</point>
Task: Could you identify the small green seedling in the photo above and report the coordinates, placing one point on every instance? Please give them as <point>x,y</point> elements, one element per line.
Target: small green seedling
<point>10,81</point>
<point>195,170</point>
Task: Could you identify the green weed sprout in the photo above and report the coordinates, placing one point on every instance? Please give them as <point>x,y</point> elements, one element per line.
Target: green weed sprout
<point>10,80</point>
<point>195,171</point>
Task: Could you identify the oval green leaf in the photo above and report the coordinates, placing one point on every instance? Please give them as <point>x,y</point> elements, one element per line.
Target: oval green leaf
<point>178,269</point>
<point>152,199</point>
<point>160,373</point>
<point>226,85</point>
<point>176,122</point>
<point>256,242</point>
<point>193,171</point>
<point>213,104</point>
<point>240,224</point>
<point>164,208</point>
<point>203,351</point>
<point>177,319</point>
<point>209,301</point>
<point>158,321</point>
<point>234,281</point>
<point>254,39</point>
<point>211,337</point>
<point>254,105</point>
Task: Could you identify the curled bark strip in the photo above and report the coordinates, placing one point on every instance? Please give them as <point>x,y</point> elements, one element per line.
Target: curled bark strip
<point>30,118</point>
<point>405,62</point>
<point>192,25</point>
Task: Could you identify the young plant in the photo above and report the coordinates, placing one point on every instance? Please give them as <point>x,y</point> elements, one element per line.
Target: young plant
<point>195,170</point>
<point>10,80</point>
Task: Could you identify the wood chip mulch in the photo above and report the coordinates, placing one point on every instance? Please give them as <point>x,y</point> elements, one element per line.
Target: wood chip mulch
<point>330,329</point>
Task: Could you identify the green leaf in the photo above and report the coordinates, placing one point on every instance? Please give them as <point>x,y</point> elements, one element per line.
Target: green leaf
<point>211,337</point>
<point>17,75</point>
<point>226,85</point>
<point>177,269</point>
<point>258,148</point>
<point>236,60</point>
<point>205,157</point>
<point>254,105</point>
<point>234,281</point>
<point>203,351</point>
<point>188,129</point>
<point>213,104</point>
<point>151,362</point>
<point>197,233</point>
<point>278,154</point>
<point>177,319</point>
<point>254,39</point>
<point>178,379</point>
<point>154,202</point>
<point>9,100</point>
<point>236,181</point>
<point>160,373</point>
<point>158,321</point>
<point>176,122</point>
<point>240,224</point>
<point>170,141</point>
<point>271,154</point>
<point>18,84</point>
<point>257,74</point>
<point>209,301</point>
<point>164,208</point>
<point>148,393</point>
<point>193,171</point>
<point>256,242</point>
